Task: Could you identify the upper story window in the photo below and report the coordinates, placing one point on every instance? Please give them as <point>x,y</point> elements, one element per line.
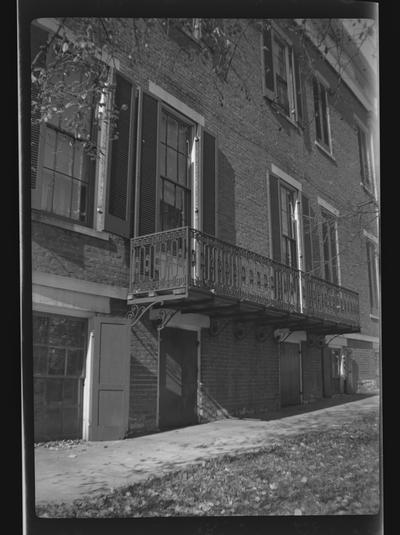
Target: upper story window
<point>175,143</point>
<point>285,231</point>
<point>67,172</point>
<point>365,156</point>
<point>372,263</point>
<point>281,74</point>
<point>63,173</point>
<point>330,247</point>
<point>288,226</point>
<point>321,113</point>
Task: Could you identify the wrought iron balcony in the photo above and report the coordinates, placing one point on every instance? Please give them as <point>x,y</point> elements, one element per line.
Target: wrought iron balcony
<point>199,273</point>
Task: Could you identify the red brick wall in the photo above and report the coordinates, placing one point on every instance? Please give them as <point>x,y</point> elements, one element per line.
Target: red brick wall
<point>239,377</point>
<point>364,365</point>
<point>70,254</point>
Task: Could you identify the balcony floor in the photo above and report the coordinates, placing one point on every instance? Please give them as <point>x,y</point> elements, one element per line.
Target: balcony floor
<point>200,301</point>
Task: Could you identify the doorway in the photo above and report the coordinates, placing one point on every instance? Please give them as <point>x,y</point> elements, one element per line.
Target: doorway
<point>177,378</point>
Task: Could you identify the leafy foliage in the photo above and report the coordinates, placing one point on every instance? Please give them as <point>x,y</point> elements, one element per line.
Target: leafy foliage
<point>334,472</point>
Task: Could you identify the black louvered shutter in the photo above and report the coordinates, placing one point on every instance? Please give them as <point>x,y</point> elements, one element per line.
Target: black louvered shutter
<point>275,222</point>
<point>299,93</point>
<point>121,177</point>
<point>307,239</point>
<point>315,240</point>
<point>268,63</point>
<point>209,152</point>
<point>148,166</point>
<point>38,38</point>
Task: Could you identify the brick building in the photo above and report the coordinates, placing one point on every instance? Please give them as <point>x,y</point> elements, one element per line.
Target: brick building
<point>220,257</point>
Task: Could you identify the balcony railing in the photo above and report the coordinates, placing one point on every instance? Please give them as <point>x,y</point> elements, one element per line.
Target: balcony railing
<point>180,261</point>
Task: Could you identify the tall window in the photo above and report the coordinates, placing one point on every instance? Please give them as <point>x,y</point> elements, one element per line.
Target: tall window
<point>281,76</point>
<point>66,173</point>
<point>364,150</point>
<point>321,113</point>
<point>59,344</point>
<point>288,227</point>
<point>174,167</point>
<point>372,275</point>
<point>330,247</point>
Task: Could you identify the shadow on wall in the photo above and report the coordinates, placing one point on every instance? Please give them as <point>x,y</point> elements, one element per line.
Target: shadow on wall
<point>226,199</point>
<point>210,408</point>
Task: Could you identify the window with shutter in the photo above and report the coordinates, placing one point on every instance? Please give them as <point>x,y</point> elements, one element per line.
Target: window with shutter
<point>121,179</point>
<point>62,170</point>
<point>364,150</point>
<point>372,275</point>
<point>281,73</point>
<point>321,114</point>
<point>329,247</point>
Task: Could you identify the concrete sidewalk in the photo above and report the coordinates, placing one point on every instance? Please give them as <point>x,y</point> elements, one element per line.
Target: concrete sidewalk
<point>63,475</point>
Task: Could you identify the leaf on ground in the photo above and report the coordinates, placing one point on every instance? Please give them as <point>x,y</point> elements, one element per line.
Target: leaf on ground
<point>298,512</point>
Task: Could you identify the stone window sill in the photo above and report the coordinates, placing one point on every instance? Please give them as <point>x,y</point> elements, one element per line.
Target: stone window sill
<point>68,225</point>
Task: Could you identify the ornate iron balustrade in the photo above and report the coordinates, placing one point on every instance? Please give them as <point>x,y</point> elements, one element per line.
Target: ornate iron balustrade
<point>328,301</point>
<point>184,259</point>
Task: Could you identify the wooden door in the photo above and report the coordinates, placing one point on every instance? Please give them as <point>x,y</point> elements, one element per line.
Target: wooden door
<point>110,379</point>
<point>289,374</point>
<point>177,378</point>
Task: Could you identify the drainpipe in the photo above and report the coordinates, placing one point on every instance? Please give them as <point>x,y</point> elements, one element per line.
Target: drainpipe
<point>301,373</point>
<point>196,210</point>
<point>299,252</point>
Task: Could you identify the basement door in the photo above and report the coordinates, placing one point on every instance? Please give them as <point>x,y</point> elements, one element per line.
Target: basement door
<point>289,374</point>
<point>110,379</point>
<point>177,378</point>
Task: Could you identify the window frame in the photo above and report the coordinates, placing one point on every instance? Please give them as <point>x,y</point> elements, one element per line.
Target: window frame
<point>330,219</point>
<point>373,274</point>
<point>322,85</point>
<point>292,90</point>
<point>94,217</point>
<point>361,128</point>
<point>181,118</point>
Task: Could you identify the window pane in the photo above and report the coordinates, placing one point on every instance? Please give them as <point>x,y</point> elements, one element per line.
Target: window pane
<point>47,190</point>
<point>40,360</point>
<point>281,59</point>
<point>317,110</point>
<point>39,329</point>
<point>182,169</point>
<point>79,156</point>
<point>62,195</point>
<point>79,200</point>
<point>172,133</point>
<point>163,128</point>
<point>70,391</point>
<point>169,193</point>
<point>64,154</point>
<point>282,93</point>
<point>172,169</point>
<point>49,148</point>
<point>74,361</point>
<point>324,112</point>
<point>161,157</point>
<point>54,390</point>
<point>183,139</point>
<point>56,361</point>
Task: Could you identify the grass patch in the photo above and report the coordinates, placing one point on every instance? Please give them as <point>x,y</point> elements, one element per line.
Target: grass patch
<point>315,473</point>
